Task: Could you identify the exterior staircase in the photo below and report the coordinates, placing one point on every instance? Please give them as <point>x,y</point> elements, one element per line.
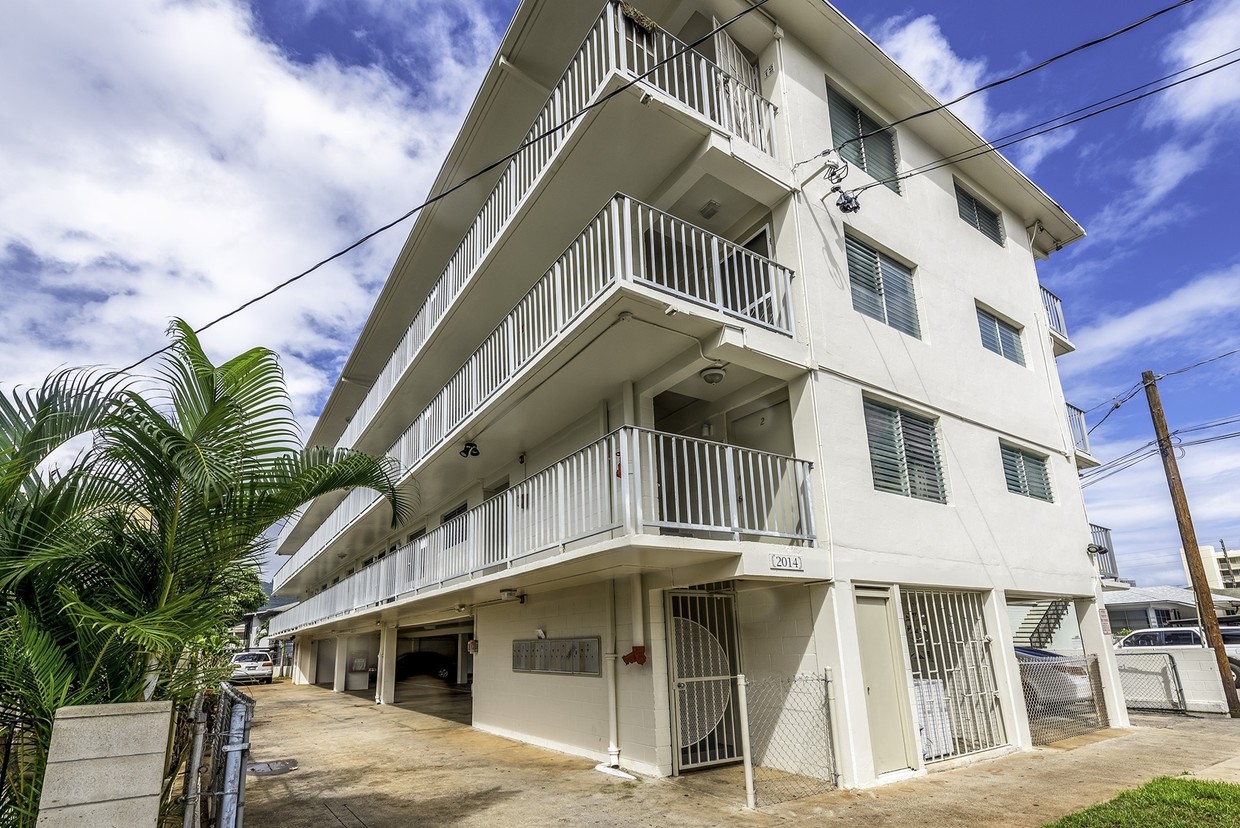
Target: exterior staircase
<point>1040,623</point>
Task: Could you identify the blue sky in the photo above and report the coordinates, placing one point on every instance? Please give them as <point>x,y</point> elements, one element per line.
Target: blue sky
<point>175,158</point>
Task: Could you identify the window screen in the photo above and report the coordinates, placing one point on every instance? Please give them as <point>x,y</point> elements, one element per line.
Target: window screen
<point>882,288</point>
<point>904,452</point>
<point>1026,473</point>
<point>1000,337</point>
<point>862,141</point>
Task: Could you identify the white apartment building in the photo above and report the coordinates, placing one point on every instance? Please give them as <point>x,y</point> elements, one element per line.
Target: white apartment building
<point>670,415</point>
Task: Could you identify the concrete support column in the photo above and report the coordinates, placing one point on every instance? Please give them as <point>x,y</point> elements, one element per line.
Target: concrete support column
<point>305,661</point>
<point>835,634</point>
<point>385,679</point>
<point>342,663</point>
<point>1008,682</point>
<point>1097,641</point>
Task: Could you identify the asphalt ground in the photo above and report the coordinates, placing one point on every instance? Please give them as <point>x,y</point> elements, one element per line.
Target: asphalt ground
<point>415,763</point>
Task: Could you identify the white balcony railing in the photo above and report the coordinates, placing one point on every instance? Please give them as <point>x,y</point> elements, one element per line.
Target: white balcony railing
<point>614,44</point>
<point>1080,434</point>
<point>628,241</point>
<point>1101,537</point>
<point>1054,313</point>
<point>632,481</point>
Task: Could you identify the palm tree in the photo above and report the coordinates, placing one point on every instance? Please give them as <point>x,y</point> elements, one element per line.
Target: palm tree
<point>174,497</point>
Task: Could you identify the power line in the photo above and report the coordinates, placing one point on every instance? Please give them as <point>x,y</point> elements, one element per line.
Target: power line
<point>1004,80</point>
<point>756,4</point>
<point>1117,402</point>
<point>986,148</point>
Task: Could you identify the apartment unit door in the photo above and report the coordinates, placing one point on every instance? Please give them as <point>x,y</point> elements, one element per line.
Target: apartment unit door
<point>883,674</point>
<point>704,664</point>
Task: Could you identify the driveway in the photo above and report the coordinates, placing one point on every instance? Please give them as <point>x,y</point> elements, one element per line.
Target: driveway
<point>367,766</point>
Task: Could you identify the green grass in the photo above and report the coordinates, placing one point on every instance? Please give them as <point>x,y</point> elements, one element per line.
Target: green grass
<point>1165,802</point>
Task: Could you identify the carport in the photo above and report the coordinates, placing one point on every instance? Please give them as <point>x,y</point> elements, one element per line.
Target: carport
<point>427,692</point>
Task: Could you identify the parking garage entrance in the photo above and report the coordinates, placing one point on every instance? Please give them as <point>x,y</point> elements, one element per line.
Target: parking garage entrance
<point>434,671</point>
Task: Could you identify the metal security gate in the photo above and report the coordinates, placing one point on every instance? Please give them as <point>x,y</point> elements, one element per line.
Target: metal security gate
<point>1151,681</point>
<point>704,665</point>
<point>954,692</point>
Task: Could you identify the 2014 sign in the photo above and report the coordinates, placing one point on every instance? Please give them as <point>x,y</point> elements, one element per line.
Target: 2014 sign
<point>791,563</point>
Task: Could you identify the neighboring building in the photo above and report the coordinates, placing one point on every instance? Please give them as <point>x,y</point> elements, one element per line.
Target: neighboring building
<point>1222,567</point>
<point>668,414</point>
<point>1161,606</point>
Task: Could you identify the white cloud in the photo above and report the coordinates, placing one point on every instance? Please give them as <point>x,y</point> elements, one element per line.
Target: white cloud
<point>919,46</point>
<point>163,159</point>
<point>1177,319</point>
<point>1214,98</point>
<point>1144,205</point>
<point>1031,153</point>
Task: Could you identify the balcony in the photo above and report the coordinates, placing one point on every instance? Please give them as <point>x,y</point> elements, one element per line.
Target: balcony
<point>615,48</point>
<point>1080,438</point>
<point>615,44</point>
<point>1059,328</point>
<point>631,482</point>
<point>629,243</point>
<point>1105,558</point>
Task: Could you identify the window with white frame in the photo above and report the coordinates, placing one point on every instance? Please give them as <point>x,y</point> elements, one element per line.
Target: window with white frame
<point>904,452</point>
<point>882,288</point>
<point>978,215</point>
<point>1001,337</point>
<point>861,140</point>
<point>1027,474</point>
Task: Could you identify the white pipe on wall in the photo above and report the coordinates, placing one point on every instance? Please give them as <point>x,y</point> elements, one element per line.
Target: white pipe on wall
<point>613,701</point>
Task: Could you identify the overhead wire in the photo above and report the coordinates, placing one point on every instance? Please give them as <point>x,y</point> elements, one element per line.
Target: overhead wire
<point>1090,111</point>
<point>1004,80</point>
<point>754,6</point>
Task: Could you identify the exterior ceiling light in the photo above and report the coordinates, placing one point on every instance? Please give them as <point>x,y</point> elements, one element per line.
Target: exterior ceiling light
<point>470,450</point>
<point>709,209</point>
<point>713,375</point>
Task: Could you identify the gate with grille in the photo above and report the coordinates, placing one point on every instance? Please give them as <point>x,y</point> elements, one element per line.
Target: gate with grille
<point>953,678</point>
<point>704,665</point>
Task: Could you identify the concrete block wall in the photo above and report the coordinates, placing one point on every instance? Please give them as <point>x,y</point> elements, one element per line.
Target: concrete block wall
<point>105,766</point>
<point>563,712</point>
<point>776,631</point>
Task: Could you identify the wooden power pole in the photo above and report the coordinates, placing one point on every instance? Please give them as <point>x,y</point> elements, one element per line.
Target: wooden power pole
<point>1188,537</point>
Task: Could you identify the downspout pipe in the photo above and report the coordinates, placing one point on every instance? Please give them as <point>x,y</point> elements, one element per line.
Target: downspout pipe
<point>613,701</point>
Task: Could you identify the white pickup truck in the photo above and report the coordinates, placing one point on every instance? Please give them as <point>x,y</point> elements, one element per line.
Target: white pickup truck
<point>1186,637</point>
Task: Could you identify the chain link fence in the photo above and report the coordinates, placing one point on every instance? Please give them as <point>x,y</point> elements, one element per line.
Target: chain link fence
<point>790,753</point>
<point>210,743</point>
<point>1063,696</point>
<point>1151,681</point>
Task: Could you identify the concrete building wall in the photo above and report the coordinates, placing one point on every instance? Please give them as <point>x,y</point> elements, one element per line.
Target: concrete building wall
<point>776,630</point>
<point>564,712</point>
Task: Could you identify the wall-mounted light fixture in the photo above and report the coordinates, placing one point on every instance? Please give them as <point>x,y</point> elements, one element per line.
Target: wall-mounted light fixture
<point>469,450</point>
<point>511,595</point>
<point>1095,549</point>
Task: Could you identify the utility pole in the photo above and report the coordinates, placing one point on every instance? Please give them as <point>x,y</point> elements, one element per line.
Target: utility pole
<point>1188,537</point>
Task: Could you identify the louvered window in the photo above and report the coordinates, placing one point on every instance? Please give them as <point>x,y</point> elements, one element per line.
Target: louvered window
<point>1000,337</point>
<point>875,152</point>
<point>882,288</point>
<point>904,452</point>
<point>979,215</point>
<point>1026,473</point>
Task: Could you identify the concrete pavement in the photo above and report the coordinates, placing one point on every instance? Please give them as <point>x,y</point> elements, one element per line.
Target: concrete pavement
<point>366,766</point>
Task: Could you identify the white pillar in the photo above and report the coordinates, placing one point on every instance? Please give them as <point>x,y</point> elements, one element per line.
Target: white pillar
<point>342,663</point>
<point>385,680</point>
<point>1097,641</point>
<point>305,661</point>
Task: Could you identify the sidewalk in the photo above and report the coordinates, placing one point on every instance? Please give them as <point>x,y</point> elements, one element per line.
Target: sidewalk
<point>367,766</point>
